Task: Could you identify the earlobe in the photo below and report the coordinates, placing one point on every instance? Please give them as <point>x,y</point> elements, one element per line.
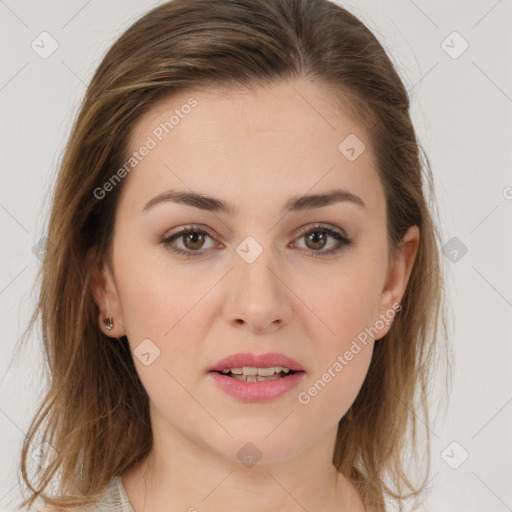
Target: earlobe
<point>105,296</point>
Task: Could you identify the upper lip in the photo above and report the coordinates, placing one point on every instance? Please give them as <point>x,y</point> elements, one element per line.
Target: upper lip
<point>256,360</point>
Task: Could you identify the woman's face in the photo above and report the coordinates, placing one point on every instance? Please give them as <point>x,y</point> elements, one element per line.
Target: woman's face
<point>266,279</point>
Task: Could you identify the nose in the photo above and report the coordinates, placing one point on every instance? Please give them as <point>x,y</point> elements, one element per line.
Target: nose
<point>258,299</point>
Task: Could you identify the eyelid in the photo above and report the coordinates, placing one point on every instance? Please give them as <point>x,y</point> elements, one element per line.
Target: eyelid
<point>321,226</point>
<point>190,227</point>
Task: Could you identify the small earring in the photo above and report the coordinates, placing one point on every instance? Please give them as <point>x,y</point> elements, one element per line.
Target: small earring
<point>108,323</point>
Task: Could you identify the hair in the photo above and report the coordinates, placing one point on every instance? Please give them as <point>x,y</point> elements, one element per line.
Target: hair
<point>86,415</point>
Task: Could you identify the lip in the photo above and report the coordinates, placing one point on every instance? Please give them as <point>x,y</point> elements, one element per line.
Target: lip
<point>257,360</point>
<point>262,391</point>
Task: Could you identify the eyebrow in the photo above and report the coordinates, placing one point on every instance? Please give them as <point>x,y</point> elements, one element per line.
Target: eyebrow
<point>212,204</point>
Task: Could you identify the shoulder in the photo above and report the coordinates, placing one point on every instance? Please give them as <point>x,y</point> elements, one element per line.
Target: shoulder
<point>53,508</point>
<point>45,508</point>
<point>49,508</point>
<point>104,502</point>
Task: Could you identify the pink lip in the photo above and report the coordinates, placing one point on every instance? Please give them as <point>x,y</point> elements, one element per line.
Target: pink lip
<point>262,391</point>
<point>257,361</point>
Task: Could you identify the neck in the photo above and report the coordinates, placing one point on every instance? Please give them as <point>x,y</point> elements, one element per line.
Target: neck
<point>192,477</point>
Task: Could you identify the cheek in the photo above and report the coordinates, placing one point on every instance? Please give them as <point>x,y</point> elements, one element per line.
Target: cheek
<point>165,308</point>
<point>343,341</point>
<point>347,303</point>
<point>331,390</point>
<point>156,294</point>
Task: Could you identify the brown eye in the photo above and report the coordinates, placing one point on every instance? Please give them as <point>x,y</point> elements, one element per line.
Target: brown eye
<point>316,240</point>
<point>193,240</point>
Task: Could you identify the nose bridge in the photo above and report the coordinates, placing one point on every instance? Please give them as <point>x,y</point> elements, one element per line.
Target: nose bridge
<point>258,295</point>
<point>253,267</point>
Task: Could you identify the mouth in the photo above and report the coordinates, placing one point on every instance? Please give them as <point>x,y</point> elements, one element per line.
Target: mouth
<point>257,378</point>
<point>253,374</point>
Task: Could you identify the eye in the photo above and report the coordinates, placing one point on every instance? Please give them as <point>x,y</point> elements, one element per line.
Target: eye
<point>193,240</point>
<point>316,238</point>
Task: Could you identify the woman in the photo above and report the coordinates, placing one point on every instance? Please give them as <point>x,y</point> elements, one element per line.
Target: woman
<point>241,301</point>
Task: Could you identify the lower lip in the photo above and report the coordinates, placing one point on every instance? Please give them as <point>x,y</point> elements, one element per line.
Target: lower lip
<point>262,391</point>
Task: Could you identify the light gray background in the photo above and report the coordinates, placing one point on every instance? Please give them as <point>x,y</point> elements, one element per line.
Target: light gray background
<point>461,109</point>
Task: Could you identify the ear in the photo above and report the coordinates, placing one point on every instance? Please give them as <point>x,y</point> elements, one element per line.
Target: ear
<point>399,271</point>
<point>106,296</point>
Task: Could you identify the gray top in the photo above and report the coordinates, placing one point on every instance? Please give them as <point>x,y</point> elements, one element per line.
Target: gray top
<point>115,498</point>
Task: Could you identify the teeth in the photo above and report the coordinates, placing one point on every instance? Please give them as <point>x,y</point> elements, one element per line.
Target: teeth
<point>255,378</point>
<point>251,371</point>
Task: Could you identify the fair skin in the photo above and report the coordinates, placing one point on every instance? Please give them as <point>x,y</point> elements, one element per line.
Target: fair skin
<point>255,150</point>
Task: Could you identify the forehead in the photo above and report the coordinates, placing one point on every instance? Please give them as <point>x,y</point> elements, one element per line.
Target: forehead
<point>281,140</point>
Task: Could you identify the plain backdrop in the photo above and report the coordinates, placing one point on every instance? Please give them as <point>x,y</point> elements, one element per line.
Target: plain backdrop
<point>454,58</point>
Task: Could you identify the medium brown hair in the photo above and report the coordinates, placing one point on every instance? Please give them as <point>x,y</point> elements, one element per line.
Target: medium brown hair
<point>99,425</point>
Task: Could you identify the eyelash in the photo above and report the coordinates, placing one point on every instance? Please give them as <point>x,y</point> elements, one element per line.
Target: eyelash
<point>344,241</point>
